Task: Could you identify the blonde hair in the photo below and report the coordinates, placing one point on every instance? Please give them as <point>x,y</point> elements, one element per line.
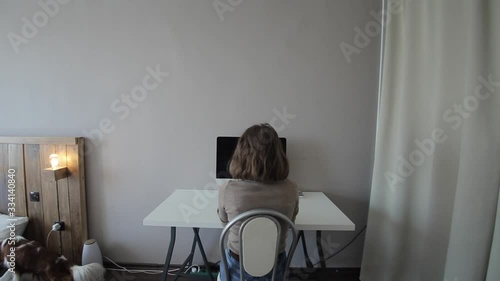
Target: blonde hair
<point>259,156</point>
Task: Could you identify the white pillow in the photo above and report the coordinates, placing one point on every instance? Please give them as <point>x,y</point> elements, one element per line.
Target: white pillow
<point>5,223</point>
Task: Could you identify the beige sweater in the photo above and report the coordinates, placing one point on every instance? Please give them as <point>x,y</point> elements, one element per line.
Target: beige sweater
<point>239,196</point>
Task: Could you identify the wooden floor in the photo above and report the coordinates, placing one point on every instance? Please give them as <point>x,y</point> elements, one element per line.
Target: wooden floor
<point>302,275</point>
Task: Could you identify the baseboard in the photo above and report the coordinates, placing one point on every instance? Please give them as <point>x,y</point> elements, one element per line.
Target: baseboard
<point>145,266</point>
<point>294,270</point>
<point>324,274</point>
<point>138,266</point>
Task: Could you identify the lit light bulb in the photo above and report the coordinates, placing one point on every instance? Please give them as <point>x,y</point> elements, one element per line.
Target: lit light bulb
<point>54,160</point>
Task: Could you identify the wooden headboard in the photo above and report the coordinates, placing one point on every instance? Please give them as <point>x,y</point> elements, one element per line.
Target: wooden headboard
<point>62,196</point>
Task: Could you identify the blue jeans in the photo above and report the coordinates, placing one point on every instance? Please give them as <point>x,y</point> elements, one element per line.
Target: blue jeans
<point>234,270</point>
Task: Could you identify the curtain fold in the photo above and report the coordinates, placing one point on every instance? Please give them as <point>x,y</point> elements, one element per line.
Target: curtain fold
<point>436,175</point>
<point>493,266</point>
<point>493,8</point>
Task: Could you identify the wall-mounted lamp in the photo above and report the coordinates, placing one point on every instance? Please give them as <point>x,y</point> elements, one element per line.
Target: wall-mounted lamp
<point>56,172</point>
<point>54,160</point>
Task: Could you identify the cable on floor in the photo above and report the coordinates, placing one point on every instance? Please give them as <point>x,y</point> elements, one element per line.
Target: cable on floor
<point>133,271</point>
<point>343,248</point>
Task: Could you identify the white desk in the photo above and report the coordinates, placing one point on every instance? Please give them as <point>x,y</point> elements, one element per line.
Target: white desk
<point>316,212</point>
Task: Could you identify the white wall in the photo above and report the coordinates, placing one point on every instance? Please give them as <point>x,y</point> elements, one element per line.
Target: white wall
<point>224,76</point>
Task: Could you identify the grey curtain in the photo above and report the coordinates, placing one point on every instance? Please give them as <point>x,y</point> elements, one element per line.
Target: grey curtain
<point>435,189</point>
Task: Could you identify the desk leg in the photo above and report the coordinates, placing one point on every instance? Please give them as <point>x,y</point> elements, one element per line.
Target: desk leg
<point>304,248</point>
<point>319,244</point>
<point>187,262</point>
<point>202,252</point>
<point>169,253</point>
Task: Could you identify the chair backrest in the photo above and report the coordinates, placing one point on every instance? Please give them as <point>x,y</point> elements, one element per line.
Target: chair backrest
<point>259,241</point>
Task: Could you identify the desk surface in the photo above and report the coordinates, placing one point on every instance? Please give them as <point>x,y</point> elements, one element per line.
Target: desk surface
<point>198,208</point>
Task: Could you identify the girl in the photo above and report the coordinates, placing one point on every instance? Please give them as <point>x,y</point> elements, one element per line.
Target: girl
<point>259,168</point>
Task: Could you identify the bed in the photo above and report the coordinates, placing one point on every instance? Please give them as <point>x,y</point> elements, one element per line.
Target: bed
<point>26,174</point>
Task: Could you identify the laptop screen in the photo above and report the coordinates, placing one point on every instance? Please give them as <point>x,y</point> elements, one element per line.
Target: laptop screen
<point>225,150</point>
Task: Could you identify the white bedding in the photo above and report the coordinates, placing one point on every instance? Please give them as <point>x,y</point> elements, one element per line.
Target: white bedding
<point>8,224</point>
<point>9,276</point>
